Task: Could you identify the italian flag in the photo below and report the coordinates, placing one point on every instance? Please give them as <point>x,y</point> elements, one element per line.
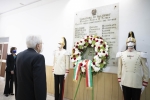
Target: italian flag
<point>89,81</point>
<point>77,70</point>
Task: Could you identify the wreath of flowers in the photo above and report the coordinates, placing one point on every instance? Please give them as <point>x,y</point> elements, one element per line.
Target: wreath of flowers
<point>101,52</point>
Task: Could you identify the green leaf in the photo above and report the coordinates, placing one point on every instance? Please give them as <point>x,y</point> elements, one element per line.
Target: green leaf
<point>86,43</point>
<point>101,65</point>
<point>80,47</point>
<point>93,42</point>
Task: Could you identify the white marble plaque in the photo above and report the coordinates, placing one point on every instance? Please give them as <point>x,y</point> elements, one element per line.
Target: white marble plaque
<point>102,21</point>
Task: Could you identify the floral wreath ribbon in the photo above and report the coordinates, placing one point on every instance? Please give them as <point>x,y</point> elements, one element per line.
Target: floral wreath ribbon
<point>88,70</point>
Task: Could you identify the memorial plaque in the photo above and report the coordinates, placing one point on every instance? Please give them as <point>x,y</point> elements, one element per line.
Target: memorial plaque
<point>101,21</point>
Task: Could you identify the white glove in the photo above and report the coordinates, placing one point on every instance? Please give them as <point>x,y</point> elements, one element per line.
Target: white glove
<point>65,75</point>
<point>143,87</point>
<point>120,85</point>
<point>53,74</point>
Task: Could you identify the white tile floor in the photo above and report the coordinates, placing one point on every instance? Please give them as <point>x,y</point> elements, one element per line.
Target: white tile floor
<point>2,97</point>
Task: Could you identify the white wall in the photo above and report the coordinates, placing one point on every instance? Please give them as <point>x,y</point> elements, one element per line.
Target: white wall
<point>54,19</point>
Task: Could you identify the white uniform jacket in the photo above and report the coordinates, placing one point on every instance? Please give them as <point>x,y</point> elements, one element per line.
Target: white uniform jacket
<point>133,69</point>
<point>61,62</point>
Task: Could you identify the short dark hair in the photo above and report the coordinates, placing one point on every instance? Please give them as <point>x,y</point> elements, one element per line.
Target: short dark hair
<point>11,49</point>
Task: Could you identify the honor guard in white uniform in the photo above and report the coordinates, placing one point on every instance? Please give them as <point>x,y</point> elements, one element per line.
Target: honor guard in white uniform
<point>133,72</point>
<point>60,68</point>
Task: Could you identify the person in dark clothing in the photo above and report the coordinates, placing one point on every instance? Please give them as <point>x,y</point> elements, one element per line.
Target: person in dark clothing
<point>11,63</point>
<point>30,71</point>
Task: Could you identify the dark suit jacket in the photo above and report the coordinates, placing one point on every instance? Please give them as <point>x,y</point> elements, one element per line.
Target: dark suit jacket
<point>31,76</point>
<point>11,62</point>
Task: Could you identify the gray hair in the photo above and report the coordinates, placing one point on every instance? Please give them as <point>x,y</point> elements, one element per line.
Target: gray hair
<point>33,40</point>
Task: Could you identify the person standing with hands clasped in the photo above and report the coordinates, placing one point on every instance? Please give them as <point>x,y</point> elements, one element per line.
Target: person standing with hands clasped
<point>60,68</point>
<point>133,72</point>
<point>11,63</point>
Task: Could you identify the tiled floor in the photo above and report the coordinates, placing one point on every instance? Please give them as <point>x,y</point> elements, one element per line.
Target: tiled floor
<point>2,97</point>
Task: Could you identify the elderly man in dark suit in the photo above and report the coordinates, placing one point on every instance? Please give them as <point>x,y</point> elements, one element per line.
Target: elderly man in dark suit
<point>30,70</point>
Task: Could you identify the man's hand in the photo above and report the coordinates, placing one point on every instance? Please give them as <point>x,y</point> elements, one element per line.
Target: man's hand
<point>12,72</point>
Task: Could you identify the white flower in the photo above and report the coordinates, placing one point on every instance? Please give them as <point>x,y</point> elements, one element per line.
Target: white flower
<point>78,58</point>
<point>101,40</point>
<point>90,36</point>
<point>85,37</point>
<point>83,69</point>
<point>84,63</point>
<point>100,54</point>
<point>97,64</point>
<point>106,53</point>
<point>101,50</point>
<point>77,44</point>
<point>106,49</point>
<point>103,54</point>
<point>72,60</point>
<point>97,44</point>
<point>96,57</point>
<point>93,65</point>
<point>96,49</point>
<point>92,45</point>
<point>98,60</point>
<point>104,62</point>
<point>101,45</point>
<point>107,46</point>
<point>76,51</point>
<point>90,41</point>
<point>96,39</point>
<point>82,42</point>
<point>84,46</point>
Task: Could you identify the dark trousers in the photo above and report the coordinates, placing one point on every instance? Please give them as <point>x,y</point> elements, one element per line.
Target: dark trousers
<point>131,93</point>
<point>59,87</point>
<point>8,83</point>
<point>15,78</point>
